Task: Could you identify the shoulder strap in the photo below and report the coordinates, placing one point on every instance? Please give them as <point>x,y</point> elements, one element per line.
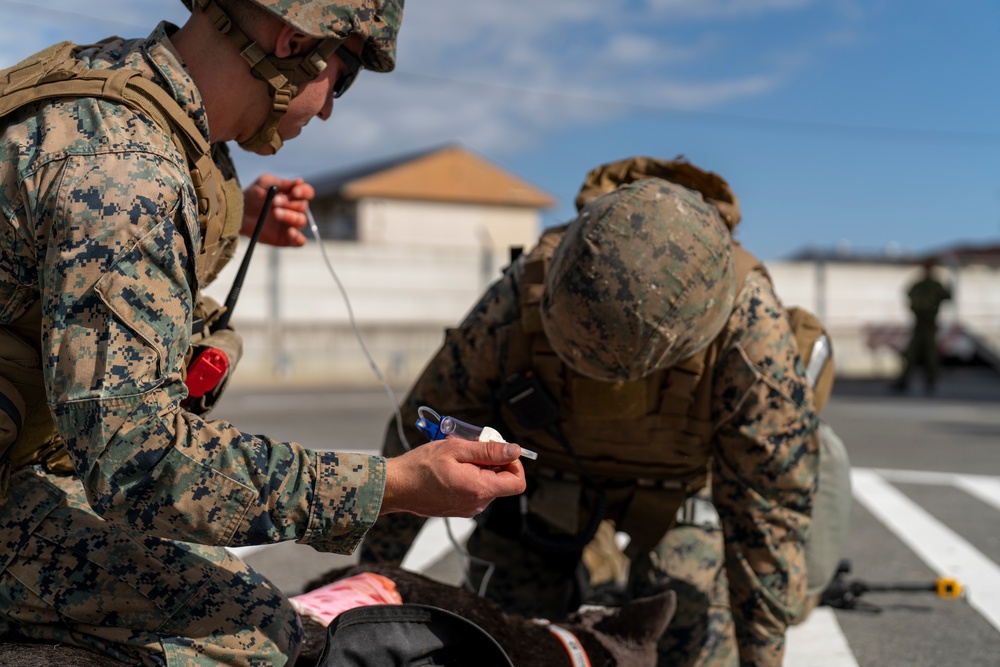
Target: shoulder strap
<point>536,263</point>
<point>35,66</point>
<point>746,263</point>
<point>56,72</point>
<point>815,348</point>
<point>816,351</point>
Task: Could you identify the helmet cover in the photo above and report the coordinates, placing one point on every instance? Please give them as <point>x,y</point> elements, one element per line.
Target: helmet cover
<point>377,21</point>
<point>642,279</point>
<point>712,187</point>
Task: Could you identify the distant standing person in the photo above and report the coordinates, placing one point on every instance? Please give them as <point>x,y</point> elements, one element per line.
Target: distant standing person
<point>926,296</point>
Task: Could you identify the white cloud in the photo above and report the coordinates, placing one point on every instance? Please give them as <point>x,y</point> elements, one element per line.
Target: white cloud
<point>725,9</point>
<point>462,21</point>
<point>844,37</point>
<point>635,49</point>
<point>496,76</point>
<point>29,26</point>
<point>693,96</point>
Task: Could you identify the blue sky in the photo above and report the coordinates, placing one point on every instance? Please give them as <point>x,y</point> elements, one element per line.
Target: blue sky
<point>871,124</point>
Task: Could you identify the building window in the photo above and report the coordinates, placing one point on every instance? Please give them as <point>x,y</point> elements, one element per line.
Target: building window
<point>337,220</point>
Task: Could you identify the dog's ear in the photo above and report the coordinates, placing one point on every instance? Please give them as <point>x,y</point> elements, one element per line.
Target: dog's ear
<point>630,632</point>
<point>39,654</point>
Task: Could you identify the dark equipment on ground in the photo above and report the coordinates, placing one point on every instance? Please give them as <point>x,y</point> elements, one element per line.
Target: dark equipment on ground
<point>844,594</point>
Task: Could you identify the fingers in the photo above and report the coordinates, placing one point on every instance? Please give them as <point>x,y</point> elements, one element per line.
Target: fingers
<point>500,469</point>
<point>292,218</point>
<point>452,477</point>
<point>290,207</point>
<point>302,191</point>
<point>489,453</point>
<point>509,480</point>
<point>288,210</point>
<point>296,191</point>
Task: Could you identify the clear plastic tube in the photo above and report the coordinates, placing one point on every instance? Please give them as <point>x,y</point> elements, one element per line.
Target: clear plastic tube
<point>459,429</point>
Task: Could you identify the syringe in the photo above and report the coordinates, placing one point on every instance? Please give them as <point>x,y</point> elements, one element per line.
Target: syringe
<point>460,429</point>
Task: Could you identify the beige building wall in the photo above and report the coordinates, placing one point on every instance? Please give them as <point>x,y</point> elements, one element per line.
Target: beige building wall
<point>475,227</point>
<point>295,321</point>
<point>850,297</point>
<point>296,328</point>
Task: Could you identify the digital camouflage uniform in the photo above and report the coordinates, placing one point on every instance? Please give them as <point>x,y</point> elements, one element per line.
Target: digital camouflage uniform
<point>126,555</point>
<point>925,297</point>
<point>738,588</point>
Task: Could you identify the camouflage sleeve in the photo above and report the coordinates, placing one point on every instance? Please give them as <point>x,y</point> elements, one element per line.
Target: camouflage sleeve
<point>116,281</point>
<point>765,470</point>
<point>459,381</point>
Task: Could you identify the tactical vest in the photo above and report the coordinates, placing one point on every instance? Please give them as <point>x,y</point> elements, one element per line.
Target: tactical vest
<point>27,432</point>
<point>647,442</point>
<point>926,297</point>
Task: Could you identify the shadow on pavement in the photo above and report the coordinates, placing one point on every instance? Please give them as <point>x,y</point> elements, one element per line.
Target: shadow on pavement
<point>974,383</point>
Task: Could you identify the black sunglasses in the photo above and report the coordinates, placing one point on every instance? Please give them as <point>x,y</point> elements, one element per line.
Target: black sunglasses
<point>354,66</point>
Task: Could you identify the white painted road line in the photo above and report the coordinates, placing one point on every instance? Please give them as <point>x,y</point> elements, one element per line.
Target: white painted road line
<point>915,476</point>
<point>984,487</point>
<point>432,543</point>
<point>944,551</point>
<point>243,552</point>
<point>819,642</point>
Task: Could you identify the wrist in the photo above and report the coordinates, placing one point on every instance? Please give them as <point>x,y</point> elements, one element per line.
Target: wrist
<point>395,487</point>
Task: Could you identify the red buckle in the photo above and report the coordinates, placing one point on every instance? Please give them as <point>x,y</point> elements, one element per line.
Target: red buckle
<point>206,371</point>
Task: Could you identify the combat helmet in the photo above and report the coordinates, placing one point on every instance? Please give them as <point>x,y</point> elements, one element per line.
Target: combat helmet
<point>332,21</point>
<point>713,188</point>
<point>643,278</point>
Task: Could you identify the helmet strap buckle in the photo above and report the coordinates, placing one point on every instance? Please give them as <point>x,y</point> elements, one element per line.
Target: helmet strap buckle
<point>314,64</point>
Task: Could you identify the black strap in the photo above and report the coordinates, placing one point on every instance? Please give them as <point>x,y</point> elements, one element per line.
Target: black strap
<point>531,403</point>
<point>408,635</point>
<point>15,415</point>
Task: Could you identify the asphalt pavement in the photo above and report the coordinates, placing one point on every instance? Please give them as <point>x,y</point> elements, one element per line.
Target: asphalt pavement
<point>926,483</point>
<point>927,504</point>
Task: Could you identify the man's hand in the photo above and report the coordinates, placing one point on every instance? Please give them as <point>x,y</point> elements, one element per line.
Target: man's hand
<point>288,210</point>
<point>452,477</point>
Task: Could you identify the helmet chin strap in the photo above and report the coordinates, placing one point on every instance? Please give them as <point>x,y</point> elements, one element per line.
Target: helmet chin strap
<point>282,75</point>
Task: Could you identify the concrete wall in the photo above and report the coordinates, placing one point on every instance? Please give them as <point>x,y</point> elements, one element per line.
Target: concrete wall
<point>850,297</point>
<point>416,268</point>
<point>295,323</point>
<point>446,225</point>
<point>978,304</point>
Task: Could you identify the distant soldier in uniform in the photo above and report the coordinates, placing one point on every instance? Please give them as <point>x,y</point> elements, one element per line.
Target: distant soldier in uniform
<point>640,351</point>
<point>117,496</point>
<point>925,297</point>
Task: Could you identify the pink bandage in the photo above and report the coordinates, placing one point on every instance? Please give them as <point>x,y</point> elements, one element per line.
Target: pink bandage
<point>327,602</point>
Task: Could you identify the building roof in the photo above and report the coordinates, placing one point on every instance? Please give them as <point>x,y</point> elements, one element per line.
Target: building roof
<point>987,254</point>
<point>851,256</point>
<point>960,255</point>
<point>450,174</point>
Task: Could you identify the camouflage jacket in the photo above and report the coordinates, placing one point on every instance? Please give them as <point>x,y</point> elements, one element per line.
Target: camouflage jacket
<point>926,296</point>
<point>764,448</point>
<point>100,225</point>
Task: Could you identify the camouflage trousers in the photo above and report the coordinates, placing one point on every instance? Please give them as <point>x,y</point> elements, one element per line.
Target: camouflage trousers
<point>689,561</point>
<point>68,576</point>
<point>921,352</point>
